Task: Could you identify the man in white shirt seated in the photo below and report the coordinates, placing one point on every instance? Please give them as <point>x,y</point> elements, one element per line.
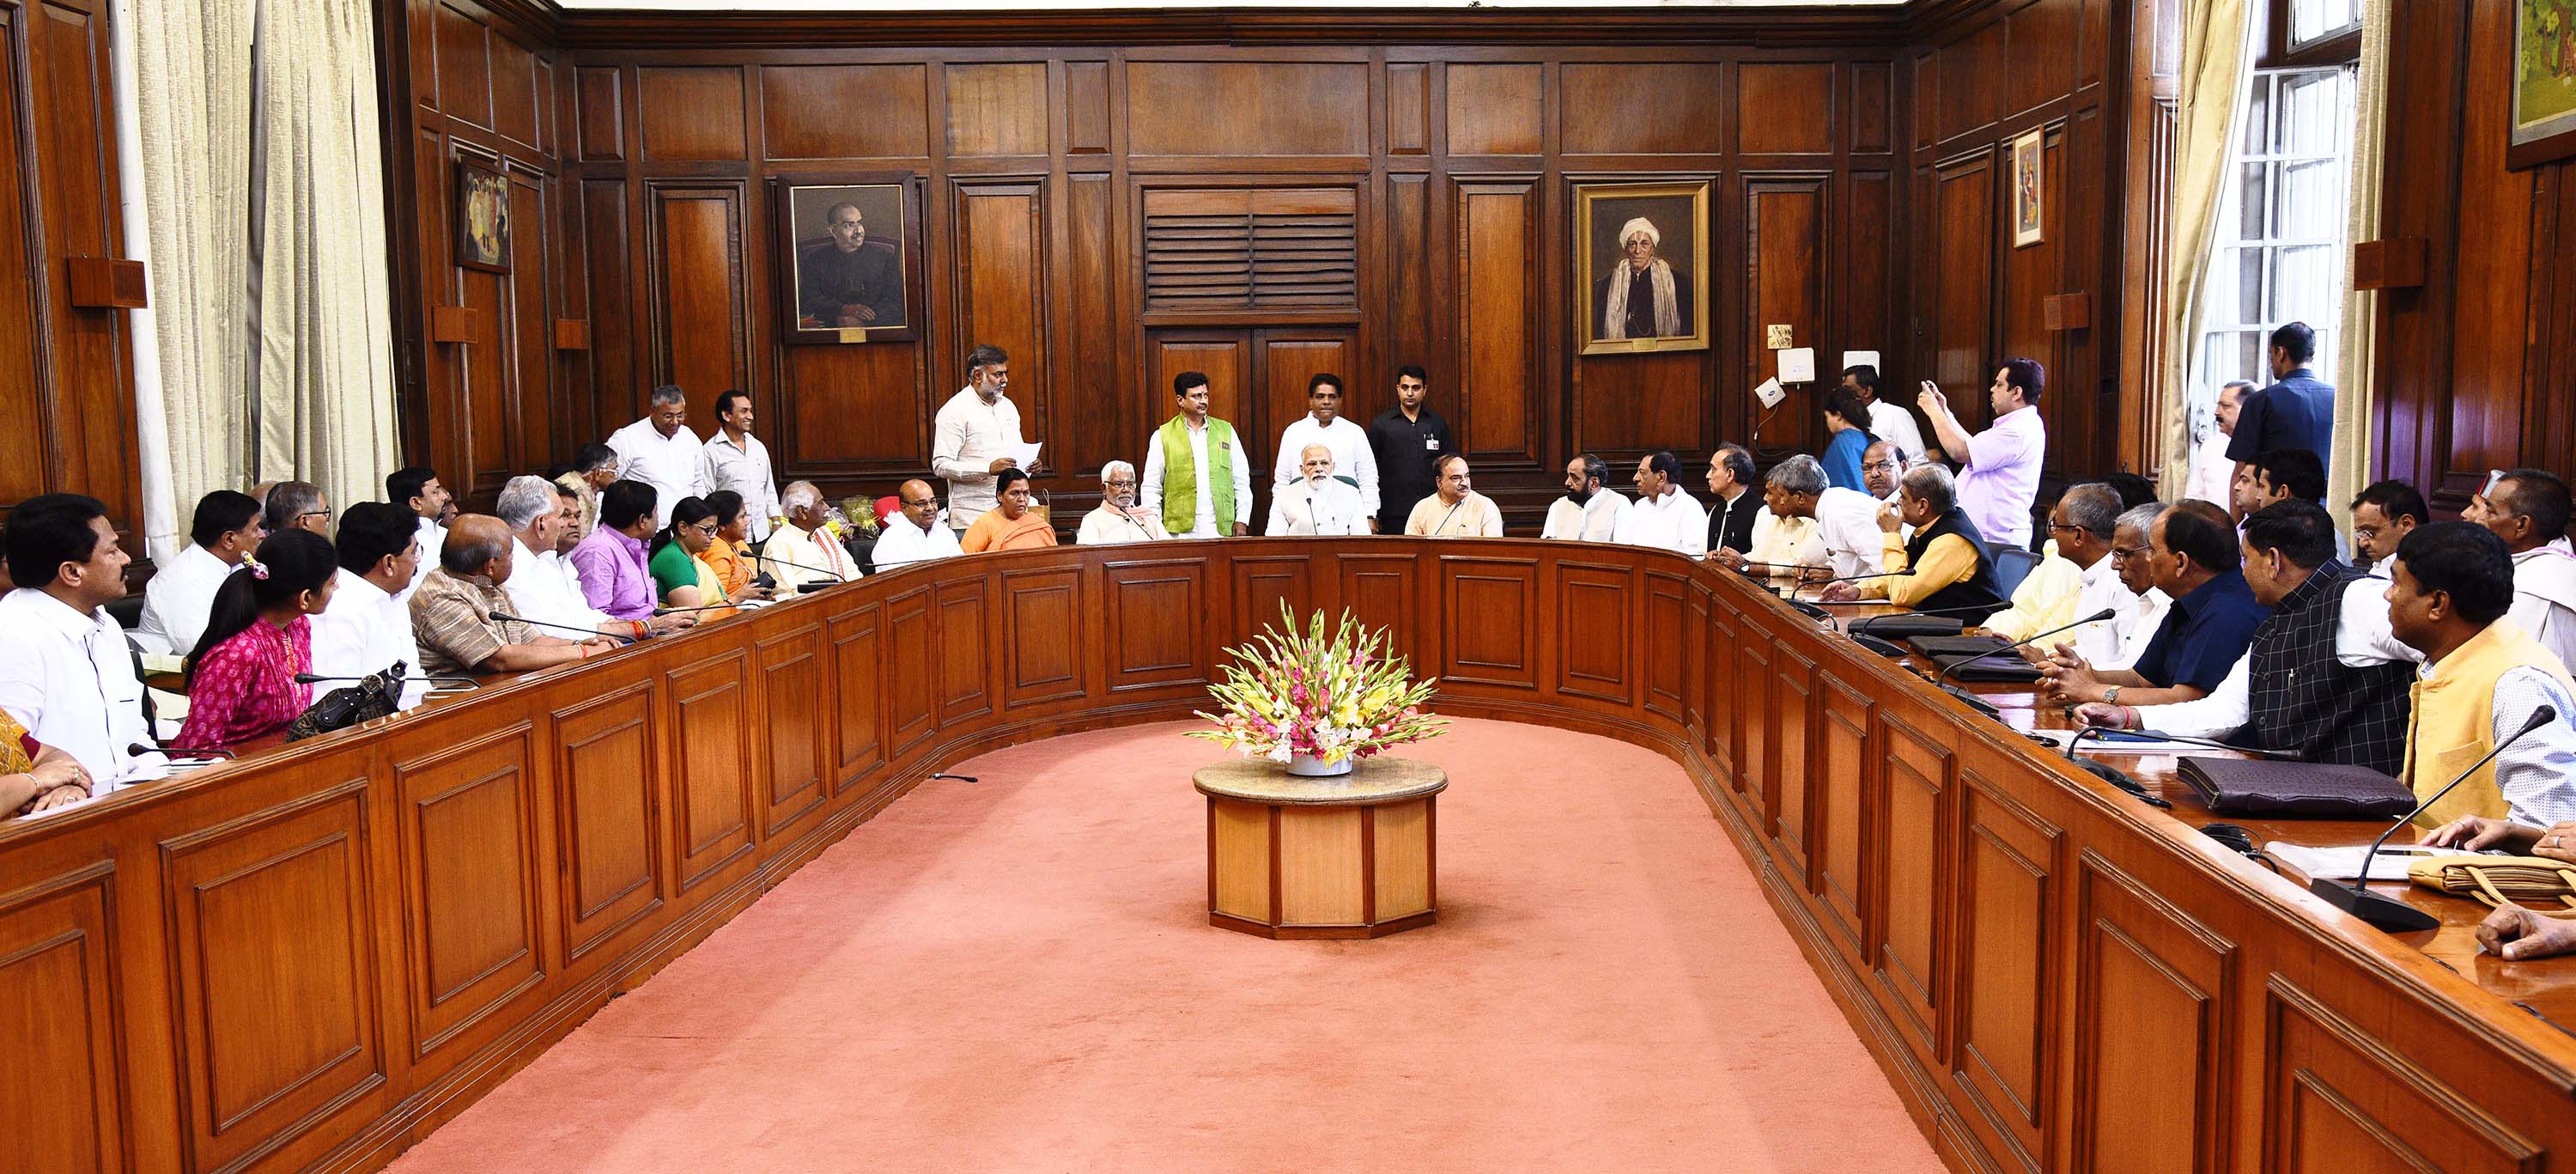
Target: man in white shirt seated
<point>1353,461</point>
<point>2139,606</point>
<point>1664,515</point>
<point>1590,509</point>
<point>2074,579</point>
<point>1454,509</point>
<point>1843,540</point>
<point>2529,509</point>
<point>225,530</point>
<point>368,626</point>
<point>1888,422</point>
<point>916,533</point>
<point>660,451</point>
<point>1318,503</point>
<point>533,511</point>
<point>805,550</point>
<point>65,671</point>
<point>417,489</point>
<point>1120,517</point>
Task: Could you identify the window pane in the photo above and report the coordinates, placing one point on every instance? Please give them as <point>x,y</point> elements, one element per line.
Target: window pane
<point>2248,306</point>
<point>2312,19</point>
<point>2311,206</point>
<point>2249,359</point>
<point>2251,200</point>
<point>2310,106</point>
<point>2307,284</point>
<point>2258,115</point>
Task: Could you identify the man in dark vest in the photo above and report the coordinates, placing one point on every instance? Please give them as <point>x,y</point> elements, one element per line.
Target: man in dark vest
<point>1943,566</point>
<point>2325,680</point>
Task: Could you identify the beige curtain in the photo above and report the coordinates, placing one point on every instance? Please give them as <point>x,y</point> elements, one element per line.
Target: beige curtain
<point>322,377</point>
<point>192,88</point>
<point>2355,389</point>
<point>2211,91</point>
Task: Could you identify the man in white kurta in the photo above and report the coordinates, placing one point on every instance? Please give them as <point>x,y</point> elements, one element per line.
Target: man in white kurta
<point>2529,509</point>
<point>1841,539</point>
<point>1590,510</point>
<point>1119,518</point>
<point>735,459</point>
<point>972,441</point>
<point>1664,515</point>
<point>915,534</point>
<point>804,549</point>
<point>65,671</point>
<point>658,450</point>
<point>178,599</point>
<point>1323,424</point>
<point>1318,503</point>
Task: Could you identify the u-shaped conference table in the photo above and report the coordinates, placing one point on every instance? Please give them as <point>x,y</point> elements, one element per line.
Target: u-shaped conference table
<point>311,957</point>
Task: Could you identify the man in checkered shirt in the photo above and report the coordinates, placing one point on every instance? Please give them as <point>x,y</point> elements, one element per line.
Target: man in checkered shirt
<point>2324,680</point>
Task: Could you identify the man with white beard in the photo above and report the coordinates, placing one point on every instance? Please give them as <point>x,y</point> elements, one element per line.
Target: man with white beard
<point>1317,502</point>
<point>1119,518</point>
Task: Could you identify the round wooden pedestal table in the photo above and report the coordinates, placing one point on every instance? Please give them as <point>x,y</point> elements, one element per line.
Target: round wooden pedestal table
<point>1344,857</point>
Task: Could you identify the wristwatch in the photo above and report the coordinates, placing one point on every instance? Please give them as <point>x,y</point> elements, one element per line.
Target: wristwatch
<point>2111,696</point>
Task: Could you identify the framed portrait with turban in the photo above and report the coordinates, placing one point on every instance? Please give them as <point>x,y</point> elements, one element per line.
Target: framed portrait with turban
<point>1641,261</point>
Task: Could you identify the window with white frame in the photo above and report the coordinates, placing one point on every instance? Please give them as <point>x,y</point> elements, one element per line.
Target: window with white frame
<point>2279,252</point>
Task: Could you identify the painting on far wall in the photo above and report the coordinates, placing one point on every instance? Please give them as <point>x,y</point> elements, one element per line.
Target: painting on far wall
<point>2029,227</point>
<point>482,217</point>
<point>849,257</point>
<point>1641,255</point>
<point>2544,83</point>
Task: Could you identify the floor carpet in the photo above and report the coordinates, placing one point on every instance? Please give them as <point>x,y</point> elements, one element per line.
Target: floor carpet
<point>1018,974</point>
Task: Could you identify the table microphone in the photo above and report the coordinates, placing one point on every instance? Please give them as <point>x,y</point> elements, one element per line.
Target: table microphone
<point>837,580</point>
<point>139,749</point>
<point>1953,666</point>
<point>2387,912</point>
<point>593,633</point>
<point>661,611</point>
<point>317,678</point>
<point>2161,736</point>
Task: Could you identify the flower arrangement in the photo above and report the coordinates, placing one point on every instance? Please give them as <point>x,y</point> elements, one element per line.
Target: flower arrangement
<point>1314,704</point>
<point>856,515</point>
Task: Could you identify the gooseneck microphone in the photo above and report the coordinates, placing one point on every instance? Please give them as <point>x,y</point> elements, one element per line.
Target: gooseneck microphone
<point>2026,641</point>
<point>592,633</point>
<point>139,749</point>
<point>2387,912</point>
<point>317,678</point>
<point>2161,736</point>
<point>836,575</point>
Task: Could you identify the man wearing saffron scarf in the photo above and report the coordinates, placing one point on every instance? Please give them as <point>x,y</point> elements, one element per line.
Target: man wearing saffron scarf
<point>1196,470</point>
<point>1644,297</point>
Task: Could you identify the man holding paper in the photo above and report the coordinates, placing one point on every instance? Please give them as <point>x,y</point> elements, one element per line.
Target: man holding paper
<point>977,436</point>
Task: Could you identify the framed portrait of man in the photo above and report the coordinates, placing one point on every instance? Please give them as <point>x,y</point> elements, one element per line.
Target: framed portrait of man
<point>2028,226</point>
<point>1641,266</point>
<point>482,217</point>
<point>2543,126</point>
<point>849,257</point>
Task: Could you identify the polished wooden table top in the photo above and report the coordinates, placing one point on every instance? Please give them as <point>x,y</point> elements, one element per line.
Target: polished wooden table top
<point>2544,987</point>
<point>1372,781</point>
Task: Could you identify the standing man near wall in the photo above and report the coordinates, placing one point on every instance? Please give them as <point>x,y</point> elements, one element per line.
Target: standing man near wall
<point>1196,469</point>
<point>977,429</point>
<point>2296,411</point>
<point>1408,441</point>
<point>657,450</point>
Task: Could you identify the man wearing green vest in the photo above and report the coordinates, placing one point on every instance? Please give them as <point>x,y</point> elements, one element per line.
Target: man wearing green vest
<point>1196,470</point>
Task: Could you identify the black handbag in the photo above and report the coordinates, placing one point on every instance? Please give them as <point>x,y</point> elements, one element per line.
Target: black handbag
<point>377,696</point>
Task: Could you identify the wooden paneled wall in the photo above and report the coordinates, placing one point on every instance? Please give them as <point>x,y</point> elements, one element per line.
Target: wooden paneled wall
<point>1981,75</point>
<point>1034,145</point>
<point>66,374</point>
<point>2477,363</point>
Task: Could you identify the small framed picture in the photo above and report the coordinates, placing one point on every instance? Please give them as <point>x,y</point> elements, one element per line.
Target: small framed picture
<point>2543,126</point>
<point>849,257</point>
<point>1641,266</point>
<point>2028,223</point>
<point>482,217</point>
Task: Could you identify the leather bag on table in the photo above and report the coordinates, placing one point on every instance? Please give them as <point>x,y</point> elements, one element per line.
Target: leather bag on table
<point>2494,880</point>
<point>2247,786</point>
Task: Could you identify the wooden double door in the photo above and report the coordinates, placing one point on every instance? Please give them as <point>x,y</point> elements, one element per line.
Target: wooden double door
<point>1257,378</point>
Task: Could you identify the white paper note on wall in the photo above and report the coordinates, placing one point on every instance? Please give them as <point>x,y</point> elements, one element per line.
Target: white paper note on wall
<point>1867,359</point>
<point>1798,365</point>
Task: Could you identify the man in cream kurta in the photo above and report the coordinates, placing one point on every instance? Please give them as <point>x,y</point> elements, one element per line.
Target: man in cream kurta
<point>1454,510</point>
<point>976,430</point>
<point>1317,503</point>
<point>1119,518</point>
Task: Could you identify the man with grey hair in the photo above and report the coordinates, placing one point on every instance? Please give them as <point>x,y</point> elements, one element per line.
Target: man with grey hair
<point>1120,517</point>
<point>2213,472</point>
<point>454,614</point>
<point>1643,296</point>
<point>1590,509</point>
<point>1944,568</point>
<point>660,451</point>
<point>2075,577</point>
<point>973,438</point>
<point>533,510</point>
<point>1811,530</point>
<point>1317,503</point>
<point>298,505</point>
<point>806,551</point>
<point>2141,605</point>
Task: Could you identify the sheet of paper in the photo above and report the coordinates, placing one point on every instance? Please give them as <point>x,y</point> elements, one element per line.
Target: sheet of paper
<point>2343,862</point>
<point>2126,744</point>
<point>1798,365</point>
<point>1769,393</point>
<point>1025,454</point>
<point>1853,359</point>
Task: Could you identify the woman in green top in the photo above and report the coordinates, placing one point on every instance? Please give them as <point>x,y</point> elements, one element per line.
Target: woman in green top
<point>678,574</point>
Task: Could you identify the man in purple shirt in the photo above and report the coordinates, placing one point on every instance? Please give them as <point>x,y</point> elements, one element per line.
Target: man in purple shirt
<point>611,560</point>
<point>2000,477</point>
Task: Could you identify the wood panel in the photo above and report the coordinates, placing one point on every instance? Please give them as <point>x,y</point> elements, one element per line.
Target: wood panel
<point>858,737</point>
<point>1044,659</point>
<point>997,108</point>
<point>689,114</point>
<point>468,814</point>
<point>1847,786</point>
<point>697,272</point>
<point>1494,108</point>
<point>1262,587</point>
<point>1785,109</point>
<point>1150,651</point>
<point>23,376</point>
<point>1784,245</point>
<point>59,1006</point>
<point>2337,1100</point>
<point>1914,841</point>
<point>1672,651</point>
<point>1791,741</point>
<point>2145,1103</point>
<point>908,710</point>
<point>844,111</point>
<point>711,809</point>
<point>1592,644</point>
<point>1629,109</point>
<point>1489,622</point>
<point>1963,222</point>
<point>1497,319</point>
<point>965,651</point>
<point>1306,108</point>
<point>608,839</point>
<point>2006,974</point>
<point>1002,262</point>
<point>793,702</point>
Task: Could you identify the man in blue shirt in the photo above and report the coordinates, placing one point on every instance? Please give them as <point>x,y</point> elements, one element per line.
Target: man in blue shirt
<point>2193,555</point>
<point>2297,411</point>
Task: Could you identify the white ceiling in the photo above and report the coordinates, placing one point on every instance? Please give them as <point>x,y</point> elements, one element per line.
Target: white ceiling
<point>1036,5</point>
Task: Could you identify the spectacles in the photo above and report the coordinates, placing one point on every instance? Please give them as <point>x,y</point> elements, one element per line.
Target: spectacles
<point>707,528</point>
<point>312,514</point>
<point>2125,553</point>
<point>2365,533</point>
<point>1120,482</point>
<point>2063,528</point>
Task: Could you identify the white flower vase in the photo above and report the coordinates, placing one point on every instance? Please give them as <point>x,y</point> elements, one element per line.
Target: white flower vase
<point>1312,767</point>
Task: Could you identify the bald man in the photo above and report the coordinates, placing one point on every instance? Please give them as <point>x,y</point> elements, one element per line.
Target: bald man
<point>916,535</point>
<point>453,610</point>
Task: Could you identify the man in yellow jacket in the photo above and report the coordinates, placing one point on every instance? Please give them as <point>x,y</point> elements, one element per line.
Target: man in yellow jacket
<point>2483,677</point>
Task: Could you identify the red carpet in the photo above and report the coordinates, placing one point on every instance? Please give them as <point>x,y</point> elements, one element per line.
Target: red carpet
<point>1019,975</point>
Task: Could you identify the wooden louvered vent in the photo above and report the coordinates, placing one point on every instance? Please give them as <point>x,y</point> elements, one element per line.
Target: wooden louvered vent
<point>1251,248</point>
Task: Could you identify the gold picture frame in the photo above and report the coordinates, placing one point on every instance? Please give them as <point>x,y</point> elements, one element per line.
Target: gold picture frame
<point>2542,128</point>
<point>1677,215</point>
<point>2029,177</point>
